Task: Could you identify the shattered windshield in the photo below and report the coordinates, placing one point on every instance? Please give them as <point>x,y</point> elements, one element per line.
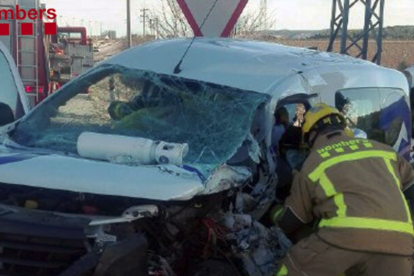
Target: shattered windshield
<point>213,120</point>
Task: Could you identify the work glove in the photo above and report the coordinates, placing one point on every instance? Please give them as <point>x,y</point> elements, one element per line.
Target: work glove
<point>118,110</point>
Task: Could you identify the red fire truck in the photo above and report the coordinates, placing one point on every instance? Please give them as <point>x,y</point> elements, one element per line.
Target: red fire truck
<point>71,53</point>
<point>43,64</point>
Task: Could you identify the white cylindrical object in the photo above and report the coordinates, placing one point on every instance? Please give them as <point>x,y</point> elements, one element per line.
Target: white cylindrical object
<point>140,150</point>
<point>170,153</point>
<point>109,147</point>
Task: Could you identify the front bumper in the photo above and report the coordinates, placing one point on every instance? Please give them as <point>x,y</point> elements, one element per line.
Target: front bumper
<point>48,244</point>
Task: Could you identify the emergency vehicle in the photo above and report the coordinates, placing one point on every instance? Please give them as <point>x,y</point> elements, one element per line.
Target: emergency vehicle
<point>30,52</point>
<point>39,59</point>
<point>72,53</point>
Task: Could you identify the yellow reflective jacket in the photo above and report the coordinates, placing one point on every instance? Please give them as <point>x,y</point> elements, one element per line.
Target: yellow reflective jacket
<point>353,187</point>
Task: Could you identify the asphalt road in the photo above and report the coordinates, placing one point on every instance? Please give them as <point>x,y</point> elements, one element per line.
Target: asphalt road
<point>107,50</point>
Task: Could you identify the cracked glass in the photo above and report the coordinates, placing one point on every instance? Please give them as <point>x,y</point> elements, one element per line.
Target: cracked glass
<point>213,120</point>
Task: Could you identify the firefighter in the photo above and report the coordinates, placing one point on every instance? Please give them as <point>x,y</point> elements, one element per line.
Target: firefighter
<point>354,193</point>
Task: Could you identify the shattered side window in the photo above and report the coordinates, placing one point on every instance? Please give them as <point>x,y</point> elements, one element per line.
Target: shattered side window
<point>213,120</point>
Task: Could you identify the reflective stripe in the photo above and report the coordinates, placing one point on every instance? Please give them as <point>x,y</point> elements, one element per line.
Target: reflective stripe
<point>368,223</point>
<point>340,150</point>
<point>391,169</point>
<point>354,147</point>
<point>276,215</point>
<point>340,203</point>
<point>316,174</point>
<point>327,186</point>
<point>283,271</point>
<point>397,181</point>
<point>368,145</point>
<point>330,191</point>
<point>356,222</point>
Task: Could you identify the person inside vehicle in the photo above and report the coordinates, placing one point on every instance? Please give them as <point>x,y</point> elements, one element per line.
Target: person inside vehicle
<point>354,192</point>
<point>282,123</point>
<point>291,146</point>
<point>300,110</point>
<point>290,156</point>
<point>147,96</point>
<point>283,169</point>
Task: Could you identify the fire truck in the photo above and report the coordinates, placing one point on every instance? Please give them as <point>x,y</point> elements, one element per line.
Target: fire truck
<point>71,54</point>
<point>43,61</point>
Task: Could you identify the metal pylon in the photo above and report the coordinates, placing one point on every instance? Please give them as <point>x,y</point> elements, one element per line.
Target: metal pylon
<point>372,29</point>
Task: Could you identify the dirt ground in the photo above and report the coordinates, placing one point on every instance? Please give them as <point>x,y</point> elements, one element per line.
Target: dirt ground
<point>396,54</point>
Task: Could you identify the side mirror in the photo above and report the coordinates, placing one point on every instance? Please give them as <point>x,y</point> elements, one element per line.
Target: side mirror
<point>6,114</point>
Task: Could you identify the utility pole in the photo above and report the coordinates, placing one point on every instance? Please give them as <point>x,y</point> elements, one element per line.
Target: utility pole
<point>129,38</point>
<point>90,28</point>
<point>157,27</point>
<point>144,19</point>
<point>154,27</point>
<point>151,26</point>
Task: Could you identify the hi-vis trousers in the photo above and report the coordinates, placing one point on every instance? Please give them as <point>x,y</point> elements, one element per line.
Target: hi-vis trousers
<point>313,257</point>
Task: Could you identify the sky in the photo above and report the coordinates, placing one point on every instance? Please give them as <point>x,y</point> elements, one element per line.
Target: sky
<point>289,14</point>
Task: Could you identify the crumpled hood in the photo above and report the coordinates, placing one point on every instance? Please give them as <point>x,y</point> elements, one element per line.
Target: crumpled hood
<point>160,182</point>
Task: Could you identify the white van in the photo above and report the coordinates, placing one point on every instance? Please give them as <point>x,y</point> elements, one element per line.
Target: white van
<point>167,165</point>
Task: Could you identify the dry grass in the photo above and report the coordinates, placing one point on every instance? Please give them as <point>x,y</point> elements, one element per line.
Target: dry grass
<point>396,54</point>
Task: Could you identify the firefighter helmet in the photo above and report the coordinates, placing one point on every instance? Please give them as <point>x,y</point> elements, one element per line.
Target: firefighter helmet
<point>319,117</point>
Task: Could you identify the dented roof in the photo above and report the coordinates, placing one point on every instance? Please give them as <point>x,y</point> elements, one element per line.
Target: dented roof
<point>258,66</point>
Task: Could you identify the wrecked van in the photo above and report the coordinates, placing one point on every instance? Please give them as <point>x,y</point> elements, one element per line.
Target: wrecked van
<point>166,166</point>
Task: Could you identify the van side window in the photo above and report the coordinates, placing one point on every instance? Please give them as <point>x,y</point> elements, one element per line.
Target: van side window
<point>379,112</point>
<point>8,90</point>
